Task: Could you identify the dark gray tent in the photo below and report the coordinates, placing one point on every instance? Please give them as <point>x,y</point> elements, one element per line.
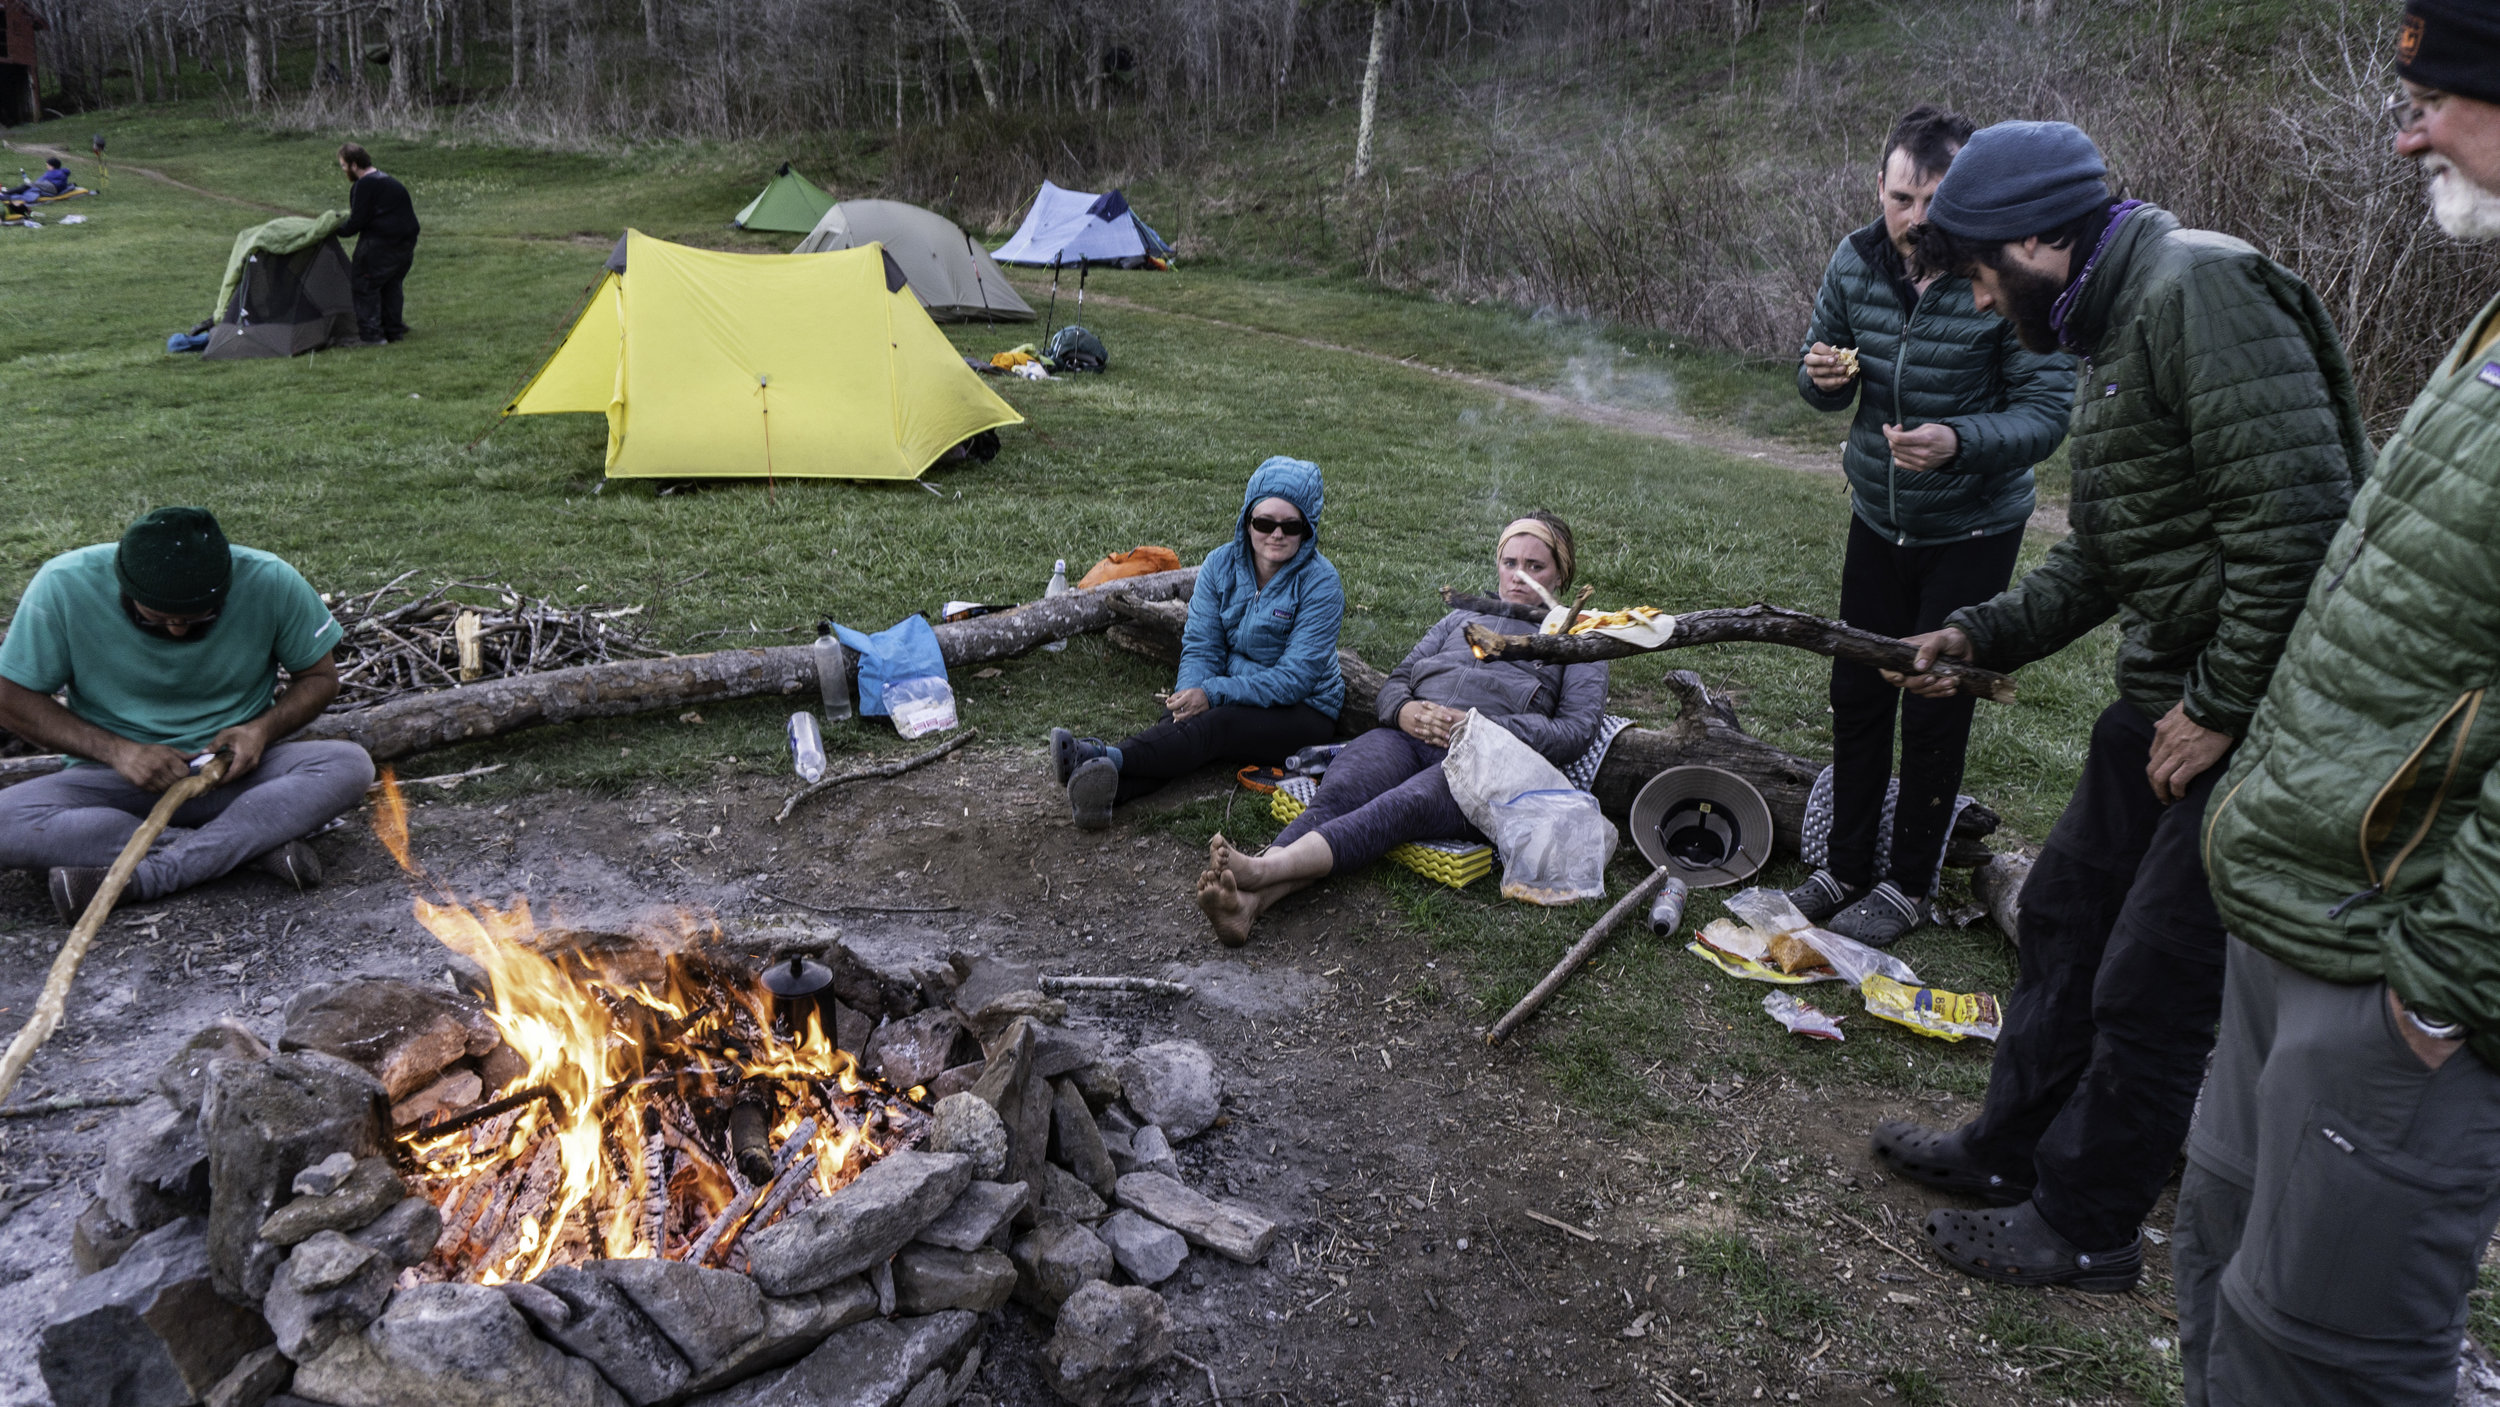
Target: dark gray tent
<point>287,304</point>
<point>954,278</point>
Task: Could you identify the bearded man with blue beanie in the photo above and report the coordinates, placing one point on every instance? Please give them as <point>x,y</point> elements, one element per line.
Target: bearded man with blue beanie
<point>2215,443</point>
<point>1258,679</point>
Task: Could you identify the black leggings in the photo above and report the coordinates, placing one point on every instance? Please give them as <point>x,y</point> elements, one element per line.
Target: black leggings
<point>1240,734</point>
<point>1899,591</point>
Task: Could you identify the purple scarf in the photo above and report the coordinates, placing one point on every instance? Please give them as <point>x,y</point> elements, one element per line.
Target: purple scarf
<point>2065,305</point>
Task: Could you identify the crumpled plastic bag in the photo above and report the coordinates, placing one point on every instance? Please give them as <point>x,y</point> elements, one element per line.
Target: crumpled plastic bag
<point>1554,846</point>
<point>1892,991</point>
<point>1801,1017</point>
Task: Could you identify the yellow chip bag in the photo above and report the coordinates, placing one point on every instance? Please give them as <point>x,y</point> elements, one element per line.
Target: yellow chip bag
<point>1948,1016</point>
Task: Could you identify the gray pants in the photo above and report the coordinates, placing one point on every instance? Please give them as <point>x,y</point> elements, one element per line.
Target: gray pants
<point>83,816</point>
<point>2336,1203</point>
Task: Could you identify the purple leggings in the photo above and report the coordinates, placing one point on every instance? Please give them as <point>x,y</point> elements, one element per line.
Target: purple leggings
<point>1382,791</point>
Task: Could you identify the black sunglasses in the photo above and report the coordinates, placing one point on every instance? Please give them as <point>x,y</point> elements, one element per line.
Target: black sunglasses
<point>1290,527</point>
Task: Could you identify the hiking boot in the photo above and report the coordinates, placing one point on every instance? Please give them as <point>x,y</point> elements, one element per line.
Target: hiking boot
<point>1823,895</point>
<point>1069,752</point>
<point>2017,1246</point>
<point>1091,790</point>
<point>294,863</point>
<point>1939,1159</point>
<point>73,888</point>
<point>1881,918</point>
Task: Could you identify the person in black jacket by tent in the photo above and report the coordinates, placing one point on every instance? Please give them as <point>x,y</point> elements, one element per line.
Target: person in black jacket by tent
<point>384,220</point>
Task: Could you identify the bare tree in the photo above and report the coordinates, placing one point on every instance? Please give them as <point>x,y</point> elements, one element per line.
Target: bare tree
<point>1371,89</point>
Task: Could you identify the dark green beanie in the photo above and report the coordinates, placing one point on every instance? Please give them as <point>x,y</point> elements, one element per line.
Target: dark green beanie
<point>175,560</point>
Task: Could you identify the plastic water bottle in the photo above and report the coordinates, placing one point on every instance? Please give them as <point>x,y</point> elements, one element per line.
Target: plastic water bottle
<point>807,747</point>
<point>833,673</point>
<point>1058,587</point>
<point>1666,912</point>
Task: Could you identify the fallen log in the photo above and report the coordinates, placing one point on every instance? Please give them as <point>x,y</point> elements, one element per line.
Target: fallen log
<point>1704,732</point>
<point>1754,624</point>
<point>417,722</point>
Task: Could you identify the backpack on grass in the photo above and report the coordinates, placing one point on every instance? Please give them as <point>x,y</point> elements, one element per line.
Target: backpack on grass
<point>1073,348</point>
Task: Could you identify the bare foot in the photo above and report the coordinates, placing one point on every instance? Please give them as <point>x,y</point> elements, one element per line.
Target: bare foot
<point>1229,911</point>
<point>1248,871</point>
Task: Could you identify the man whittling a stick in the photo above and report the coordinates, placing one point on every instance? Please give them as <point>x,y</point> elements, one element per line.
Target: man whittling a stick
<point>163,645</point>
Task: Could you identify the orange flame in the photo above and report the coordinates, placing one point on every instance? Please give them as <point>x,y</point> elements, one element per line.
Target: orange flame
<point>600,1047</point>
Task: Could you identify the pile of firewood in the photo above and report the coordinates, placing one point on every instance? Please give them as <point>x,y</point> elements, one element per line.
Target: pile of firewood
<point>436,640</point>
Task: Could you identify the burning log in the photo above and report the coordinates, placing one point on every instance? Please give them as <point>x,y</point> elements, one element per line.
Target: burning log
<point>1758,623</point>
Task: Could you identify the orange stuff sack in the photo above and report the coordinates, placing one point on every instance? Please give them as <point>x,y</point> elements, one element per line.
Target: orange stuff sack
<point>1137,561</point>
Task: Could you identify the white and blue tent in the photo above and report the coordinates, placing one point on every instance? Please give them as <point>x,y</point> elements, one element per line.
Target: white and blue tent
<point>1074,227</point>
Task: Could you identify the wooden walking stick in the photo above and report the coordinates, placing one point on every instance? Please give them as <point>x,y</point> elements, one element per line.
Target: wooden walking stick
<point>1580,952</point>
<point>55,997</point>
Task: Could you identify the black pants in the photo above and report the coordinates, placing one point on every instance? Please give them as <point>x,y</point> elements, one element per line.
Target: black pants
<point>1901,591</point>
<point>2105,1036</point>
<point>1237,733</point>
<point>378,270</point>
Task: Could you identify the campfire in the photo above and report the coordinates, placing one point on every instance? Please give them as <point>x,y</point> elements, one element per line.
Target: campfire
<point>669,1105</point>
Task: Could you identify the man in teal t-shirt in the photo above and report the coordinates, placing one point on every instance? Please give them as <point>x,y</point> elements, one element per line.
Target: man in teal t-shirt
<point>165,645</point>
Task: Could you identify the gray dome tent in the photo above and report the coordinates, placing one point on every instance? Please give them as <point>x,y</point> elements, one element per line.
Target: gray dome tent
<point>285,304</point>
<point>954,278</point>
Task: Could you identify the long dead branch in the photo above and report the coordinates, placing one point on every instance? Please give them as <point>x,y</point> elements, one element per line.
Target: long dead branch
<point>891,769</point>
<point>1755,624</point>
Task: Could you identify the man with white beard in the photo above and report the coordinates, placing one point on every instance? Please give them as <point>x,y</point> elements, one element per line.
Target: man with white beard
<point>2344,1169</point>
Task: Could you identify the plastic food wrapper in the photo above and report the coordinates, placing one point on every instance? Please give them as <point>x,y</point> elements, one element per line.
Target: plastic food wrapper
<point>1948,1016</point>
<point>1745,952</point>
<point>1892,991</point>
<point>1801,1017</point>
<point>1554,846</point>
<point>919,706</point>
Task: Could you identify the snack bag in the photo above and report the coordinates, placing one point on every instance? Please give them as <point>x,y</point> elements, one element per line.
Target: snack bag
<point>1743,952</point>
<point>1949,1016</point>
<point>1801,1017</point>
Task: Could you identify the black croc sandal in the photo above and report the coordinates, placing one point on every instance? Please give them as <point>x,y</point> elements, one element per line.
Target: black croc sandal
<point>1937,1158</point>
<point>2017,1247</point>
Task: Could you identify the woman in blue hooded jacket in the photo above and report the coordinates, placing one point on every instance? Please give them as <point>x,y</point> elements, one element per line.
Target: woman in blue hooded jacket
<point>1258,678</point>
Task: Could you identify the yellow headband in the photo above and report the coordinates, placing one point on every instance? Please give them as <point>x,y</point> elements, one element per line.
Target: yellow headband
<point>1543,532</point>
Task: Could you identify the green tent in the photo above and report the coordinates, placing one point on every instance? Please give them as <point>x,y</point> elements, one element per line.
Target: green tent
<point>790,204</point>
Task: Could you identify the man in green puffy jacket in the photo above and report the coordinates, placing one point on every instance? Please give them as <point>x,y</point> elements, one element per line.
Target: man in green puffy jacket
<point>1952,412</point>
<point>2344,1172</point>
<point>2216,441</point>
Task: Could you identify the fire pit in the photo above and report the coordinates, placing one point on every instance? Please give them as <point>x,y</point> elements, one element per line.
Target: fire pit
<point>639,1168</point>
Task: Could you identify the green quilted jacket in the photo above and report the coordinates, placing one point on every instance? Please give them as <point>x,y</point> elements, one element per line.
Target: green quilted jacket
<point>2215,447</point>
<point>1930,358</point>
<point>2357,836</point>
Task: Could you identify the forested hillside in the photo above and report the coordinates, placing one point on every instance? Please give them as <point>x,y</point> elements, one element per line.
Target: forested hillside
<point>1677,165</point>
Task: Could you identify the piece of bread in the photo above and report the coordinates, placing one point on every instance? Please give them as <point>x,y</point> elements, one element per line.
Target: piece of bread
<point>1793,955</point>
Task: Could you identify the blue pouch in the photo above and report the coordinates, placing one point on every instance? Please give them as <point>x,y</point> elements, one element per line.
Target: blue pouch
<point>908,650</point>
<point>187,342</point>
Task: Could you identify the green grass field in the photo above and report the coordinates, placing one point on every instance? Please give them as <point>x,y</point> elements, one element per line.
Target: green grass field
<point>357,466</point>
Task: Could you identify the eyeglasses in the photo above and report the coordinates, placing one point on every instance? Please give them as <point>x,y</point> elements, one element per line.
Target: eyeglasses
<point>1290,527</point>
<point>2405,111</point>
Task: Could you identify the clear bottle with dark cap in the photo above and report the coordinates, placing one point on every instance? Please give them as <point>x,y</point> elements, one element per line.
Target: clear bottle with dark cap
<point>833,673</point>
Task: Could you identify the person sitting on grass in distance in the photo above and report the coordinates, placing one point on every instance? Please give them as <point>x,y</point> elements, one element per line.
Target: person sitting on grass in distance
<point>1258,679</point>
<point>1386,787</point>
<point>168,644</point>
<point>55,180</point>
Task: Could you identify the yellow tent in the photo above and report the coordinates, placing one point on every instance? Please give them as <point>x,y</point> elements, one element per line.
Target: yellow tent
<point>755,365</point>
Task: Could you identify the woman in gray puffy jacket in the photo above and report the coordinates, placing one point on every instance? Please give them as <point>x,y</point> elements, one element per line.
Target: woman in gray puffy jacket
<point>1386,787</point>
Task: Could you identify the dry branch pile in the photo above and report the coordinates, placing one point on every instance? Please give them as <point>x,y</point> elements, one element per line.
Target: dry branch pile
<point>435,640</point>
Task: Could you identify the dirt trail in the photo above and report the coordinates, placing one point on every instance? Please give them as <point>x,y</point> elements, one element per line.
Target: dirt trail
<point>2049,517</point>
<point>39,149</point>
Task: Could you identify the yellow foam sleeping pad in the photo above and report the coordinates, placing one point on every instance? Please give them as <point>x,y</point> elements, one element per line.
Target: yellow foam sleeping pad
<point>1456,863</point>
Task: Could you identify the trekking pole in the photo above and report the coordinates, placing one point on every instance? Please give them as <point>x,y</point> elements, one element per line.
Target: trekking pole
<point>979,282</point>
<point>1052,320</point>
<point>1083,267</point>
<point>55,995</point>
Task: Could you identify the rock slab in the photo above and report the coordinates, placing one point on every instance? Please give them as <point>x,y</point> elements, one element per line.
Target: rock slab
<point>155,1167</point>
<point>263,1122</point>
<point>1107,1338</point>
<point>1076,1140</point>
<point>859,1226</point>
<point>1222,1227</point>
<point>1173,1084</point>
<point>603,1326</point>
<point>875,1364</point>
<point>1149,1252</point>
<point>913,1051</point>
<point>151,1331</point>
<point>402,1033</point>
<point>451,1345</point>
<point>928,1279</point>
<point>965,1123</point>
<point>329,1287</point>
<point>976,1216</point>
<point>1054,1259</point>
<point>706,1315</point>
<point>792,1329</point>
<point>371,1187</point>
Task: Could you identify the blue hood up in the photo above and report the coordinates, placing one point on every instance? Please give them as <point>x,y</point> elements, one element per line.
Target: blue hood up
<point>1297,482</point>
